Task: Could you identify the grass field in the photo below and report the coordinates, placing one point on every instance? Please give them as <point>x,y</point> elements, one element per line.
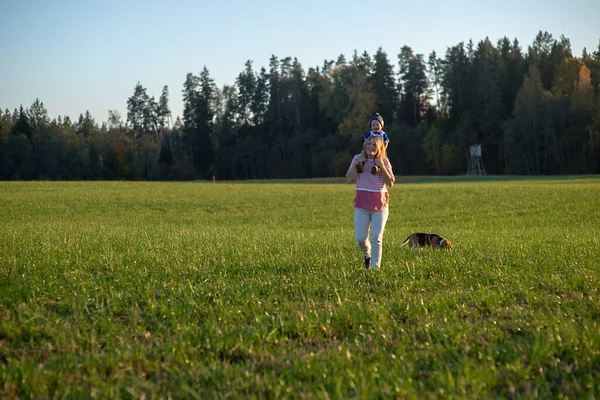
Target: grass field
<point>256,290</point>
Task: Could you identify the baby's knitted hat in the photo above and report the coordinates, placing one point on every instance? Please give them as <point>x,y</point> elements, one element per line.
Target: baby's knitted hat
<point>376,117</point>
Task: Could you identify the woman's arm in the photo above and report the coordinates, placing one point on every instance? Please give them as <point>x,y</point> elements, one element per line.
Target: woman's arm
<point>351,174</point>
<point>387,175</point>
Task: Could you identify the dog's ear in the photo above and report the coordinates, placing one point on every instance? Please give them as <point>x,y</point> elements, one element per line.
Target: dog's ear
<point>449,245</point>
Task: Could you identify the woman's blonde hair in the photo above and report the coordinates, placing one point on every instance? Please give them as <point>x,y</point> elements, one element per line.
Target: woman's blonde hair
<point>378,144</point>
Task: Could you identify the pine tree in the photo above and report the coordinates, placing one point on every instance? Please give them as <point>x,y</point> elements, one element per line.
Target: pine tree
<point>455,83</point>
<point>383,80</point>
<point>511,73</point>
<point>361,102</point>
<point>136,110</point>
<point>204,125</point>
<point>199,93</point>
<point>415,94</point>
<point>593,136</point>
<point>258,104</point>
<point>274,118</point>
<point>434,69</point>
<point>163,113</point>
<point>487,110</point>
<point>298,96</point>
<point>38,116</point>
<point>246,85</point>
<point>190,100</point>
<point>529,142</point>
<point>18,162</point>
<point>22,126</point>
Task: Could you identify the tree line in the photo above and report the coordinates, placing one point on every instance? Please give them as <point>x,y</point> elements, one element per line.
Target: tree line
<point>534,112</point>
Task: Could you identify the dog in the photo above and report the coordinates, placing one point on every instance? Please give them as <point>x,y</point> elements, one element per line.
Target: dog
<point>432,240</point>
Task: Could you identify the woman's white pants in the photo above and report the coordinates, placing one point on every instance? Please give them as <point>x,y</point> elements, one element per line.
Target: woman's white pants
<point>376,220</point>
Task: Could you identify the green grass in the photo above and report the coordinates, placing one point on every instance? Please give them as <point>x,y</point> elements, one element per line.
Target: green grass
<point>201,290</point>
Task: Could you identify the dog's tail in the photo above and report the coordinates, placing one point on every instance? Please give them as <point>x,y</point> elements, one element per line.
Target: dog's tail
<point>405,241</point>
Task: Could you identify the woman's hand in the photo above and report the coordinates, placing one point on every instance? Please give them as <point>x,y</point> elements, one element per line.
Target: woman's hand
<point>378,161</point>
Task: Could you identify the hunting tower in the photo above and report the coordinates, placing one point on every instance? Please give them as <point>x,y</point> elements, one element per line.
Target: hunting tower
<point>475,161</point>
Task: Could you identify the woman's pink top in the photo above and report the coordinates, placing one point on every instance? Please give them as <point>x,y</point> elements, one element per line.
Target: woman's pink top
<point>371,192</point>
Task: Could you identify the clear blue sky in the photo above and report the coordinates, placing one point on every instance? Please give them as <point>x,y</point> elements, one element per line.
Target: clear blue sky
<point>78,55</point>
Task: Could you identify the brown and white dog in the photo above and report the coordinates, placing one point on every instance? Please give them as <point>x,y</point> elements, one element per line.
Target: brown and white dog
<point>427,240</point>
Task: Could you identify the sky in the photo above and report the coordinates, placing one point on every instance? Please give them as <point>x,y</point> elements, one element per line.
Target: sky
<point>88,55</point>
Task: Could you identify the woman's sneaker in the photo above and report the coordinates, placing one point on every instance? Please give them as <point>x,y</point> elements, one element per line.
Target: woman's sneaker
<point>367,262</point>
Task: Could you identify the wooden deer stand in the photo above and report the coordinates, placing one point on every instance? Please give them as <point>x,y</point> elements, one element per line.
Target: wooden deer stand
<point>475,161</point>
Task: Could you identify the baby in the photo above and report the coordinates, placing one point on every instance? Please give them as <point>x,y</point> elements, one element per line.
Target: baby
<point>376,125</point>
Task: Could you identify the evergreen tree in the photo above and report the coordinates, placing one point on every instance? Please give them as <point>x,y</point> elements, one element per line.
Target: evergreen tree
<point>204,125</point>
<point>198,122</point>
<point>383,81</point>
<point>18,160</point>
<point>163,113</point>
<point>434,69</point>
<point>246,85</point>
<point>511,73</point>
<point>581,109</point>
<point>114,119</point>
<point>596,53</point>
<point>287,104</point>
<point>415,86</point>
<point>4,134</point>
<point>298,96</point>
<point>258,104</point>
<point>455,83</point>
<point>22,126</point>
<point>341,77</point>
<point>361,103</point>
<point>528,142</point>
<point>190,137</point>
<point>487,108</point>
<point>320,92</point>
<point>362,62</point>
<point>86,125</point>
<point>593,64</point>
<point>593,136</point>
<point>225,136</point>
<point>546,53</point>
<point>38,116</point>
<point>137,106</point>
<point>145,117</point>
<point>274,118</point>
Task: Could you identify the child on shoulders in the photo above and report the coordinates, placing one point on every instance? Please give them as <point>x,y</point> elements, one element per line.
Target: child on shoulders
<point>376,125</point>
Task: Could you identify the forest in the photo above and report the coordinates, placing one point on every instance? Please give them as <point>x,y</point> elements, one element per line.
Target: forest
<point>533,111</point>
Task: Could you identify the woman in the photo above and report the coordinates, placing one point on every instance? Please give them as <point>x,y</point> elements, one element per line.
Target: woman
<point>372,172</point>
